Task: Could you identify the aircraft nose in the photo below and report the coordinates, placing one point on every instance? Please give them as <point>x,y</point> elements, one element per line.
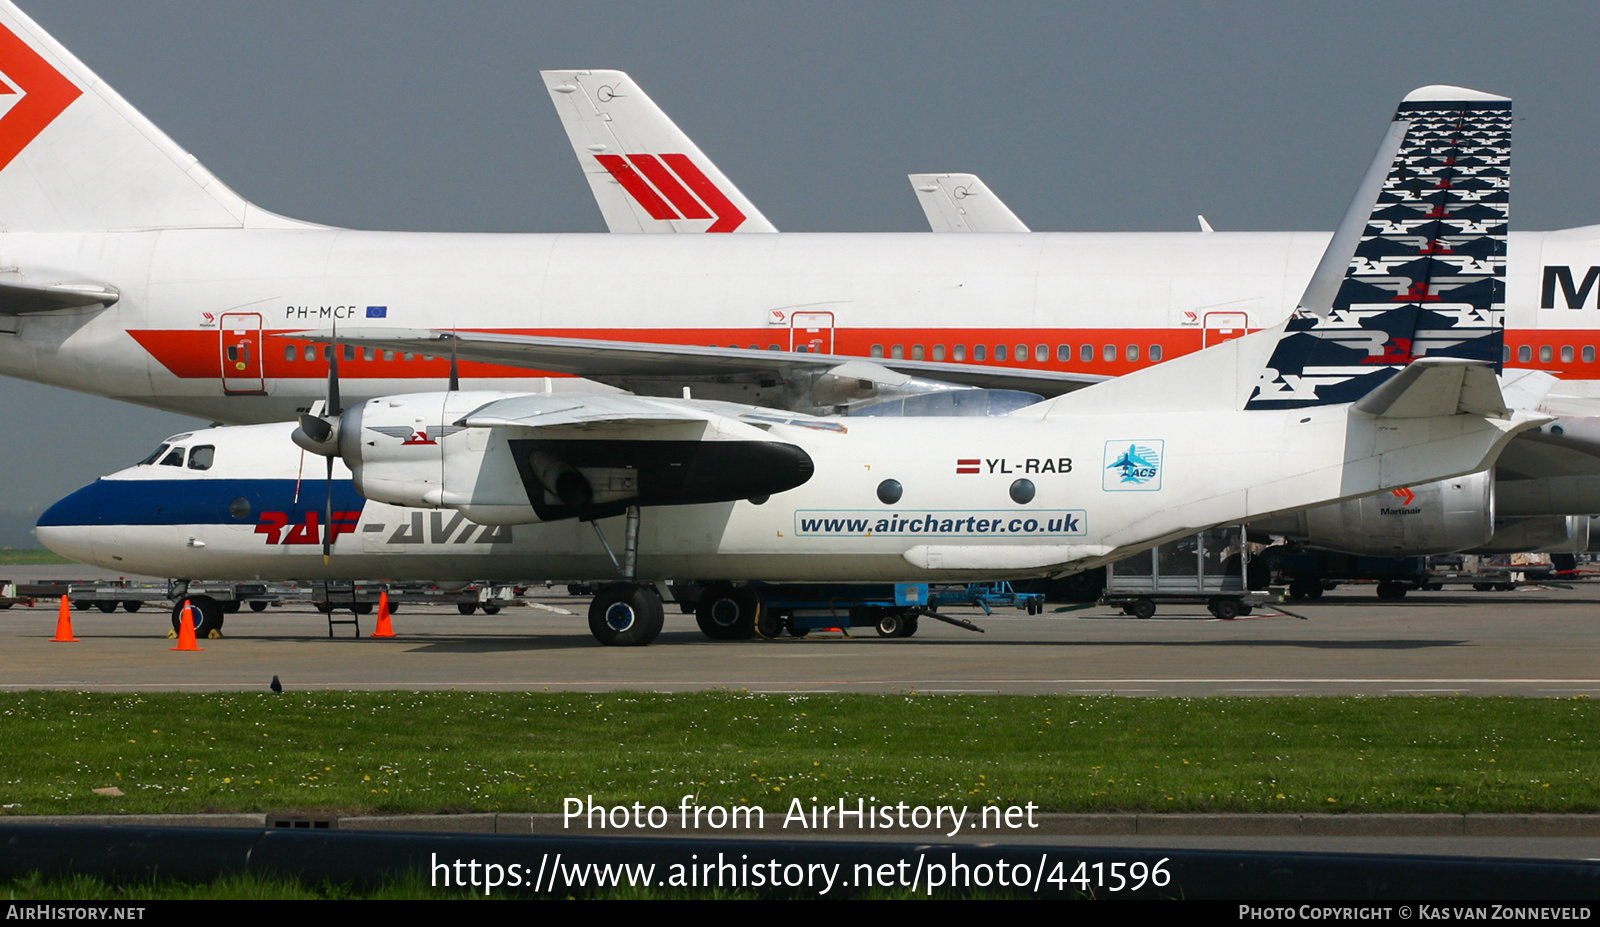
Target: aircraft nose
<point>69,526</point>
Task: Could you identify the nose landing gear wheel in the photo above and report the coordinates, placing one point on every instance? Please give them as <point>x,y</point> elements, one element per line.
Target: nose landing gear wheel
<point>625,615</point>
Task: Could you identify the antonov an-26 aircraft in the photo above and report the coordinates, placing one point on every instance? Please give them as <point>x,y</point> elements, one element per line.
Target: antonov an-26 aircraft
<point>1360,392</point>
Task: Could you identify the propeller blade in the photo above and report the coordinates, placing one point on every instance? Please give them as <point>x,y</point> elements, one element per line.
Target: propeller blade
<point>327,525</point>
<point>455,376</point>
<point>334,408</point>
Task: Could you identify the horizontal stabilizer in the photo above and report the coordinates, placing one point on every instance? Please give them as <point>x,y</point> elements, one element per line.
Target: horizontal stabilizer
<point>1434,387</point>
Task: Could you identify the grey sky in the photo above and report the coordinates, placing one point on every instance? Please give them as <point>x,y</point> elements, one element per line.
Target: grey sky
<point>1091,117</point>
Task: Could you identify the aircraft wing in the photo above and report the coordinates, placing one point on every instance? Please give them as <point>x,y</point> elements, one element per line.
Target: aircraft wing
<point>560,410</point>
<point>29,298</point>
<point>962,203</point>
<point>664,369</point>
<point>645,172</point>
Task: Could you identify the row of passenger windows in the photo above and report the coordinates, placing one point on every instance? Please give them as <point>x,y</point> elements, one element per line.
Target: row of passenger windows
<point>1041,352</point>
<point>1547,353</point>
<point>311,352</point>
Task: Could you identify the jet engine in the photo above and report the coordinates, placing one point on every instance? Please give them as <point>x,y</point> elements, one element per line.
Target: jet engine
<point>1434,518</point>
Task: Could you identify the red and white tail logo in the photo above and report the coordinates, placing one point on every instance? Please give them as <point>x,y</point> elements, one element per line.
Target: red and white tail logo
<point>32,95</point>
<point>1404,494</point>
<point>662,184</point>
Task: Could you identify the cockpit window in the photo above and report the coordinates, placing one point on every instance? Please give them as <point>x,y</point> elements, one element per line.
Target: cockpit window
<point>174,458</point>
<point>154,455</point>
<point>200,458</point>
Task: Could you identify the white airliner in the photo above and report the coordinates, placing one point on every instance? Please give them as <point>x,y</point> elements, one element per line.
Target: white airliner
<point>132,272</point>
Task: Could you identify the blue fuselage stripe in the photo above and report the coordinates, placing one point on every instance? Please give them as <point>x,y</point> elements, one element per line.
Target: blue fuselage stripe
<point>196,502</point>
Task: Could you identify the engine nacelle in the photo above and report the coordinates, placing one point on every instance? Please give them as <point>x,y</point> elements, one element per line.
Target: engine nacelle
<point>408,450</point>
<point>1434,518</point>
<point>1548,534</point>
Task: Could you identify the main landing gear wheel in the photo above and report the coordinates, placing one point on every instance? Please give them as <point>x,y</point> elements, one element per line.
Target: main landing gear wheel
<point>625,615</point>
<point>207,613</point>
<point>728,613</point>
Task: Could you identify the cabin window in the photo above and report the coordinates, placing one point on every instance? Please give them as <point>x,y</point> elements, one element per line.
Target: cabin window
<point>1109,352</point>
<point>1086,353</point>
<point>409,356</point>
<point>388,355</point>
<point>368,354</point>
<point>1525,353</point>
<point>1588,354</point>
<point>1041,352</point>
<point>773,347</point>
<point>999,352</point>
<point>154,455</point>
<point>1155,353</point>
<point>1022,354</point>
<point>349,352</point>
<point>898,352</point>
<point>959,352</point>
<point>980,352</point>
<point>1505,354</point>
<point>1566,354</point>
<point>938,352</point>
<point>239,507</point>
<point>290,352</point>
<point>1133,352</point>
<point>200,458</point>
<point>174,458</point>
<point>1063,353</point>
<point>1544,353</point>
<point>916,352</point>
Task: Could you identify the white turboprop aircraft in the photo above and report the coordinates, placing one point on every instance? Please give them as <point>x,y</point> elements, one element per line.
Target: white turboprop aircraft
<point>1300,415</point>
<point>735,493</point>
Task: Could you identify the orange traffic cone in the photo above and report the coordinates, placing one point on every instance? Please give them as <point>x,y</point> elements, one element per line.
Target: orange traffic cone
<point>64,625</point>
<point>385,629</point>
<point>186,639</point>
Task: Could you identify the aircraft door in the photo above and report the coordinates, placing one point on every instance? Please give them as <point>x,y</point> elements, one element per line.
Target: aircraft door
<point>1223,326</point>
<point>242,371</point>
<point>811,332</point>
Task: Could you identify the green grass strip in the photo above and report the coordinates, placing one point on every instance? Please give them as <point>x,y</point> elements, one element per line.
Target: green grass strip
<point>396,752</point>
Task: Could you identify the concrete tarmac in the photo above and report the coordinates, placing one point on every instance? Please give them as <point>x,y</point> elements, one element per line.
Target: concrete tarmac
<point>1532,642</point>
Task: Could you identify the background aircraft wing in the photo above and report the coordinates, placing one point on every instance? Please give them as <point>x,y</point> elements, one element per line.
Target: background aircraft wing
<point>664,369</point>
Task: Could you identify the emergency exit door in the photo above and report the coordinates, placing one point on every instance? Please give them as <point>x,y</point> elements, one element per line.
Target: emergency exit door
<point>241,353</point>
